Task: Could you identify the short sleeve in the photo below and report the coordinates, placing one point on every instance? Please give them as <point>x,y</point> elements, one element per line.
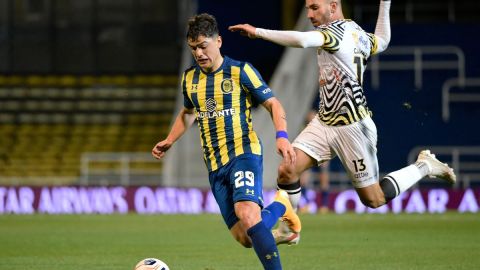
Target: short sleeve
<point>373,43</point>
<point>252,81</point>
<point>333,35</point>
<point>187,102</point>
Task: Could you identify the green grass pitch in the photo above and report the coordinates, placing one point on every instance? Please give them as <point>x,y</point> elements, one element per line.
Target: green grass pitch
<point>189,242</point>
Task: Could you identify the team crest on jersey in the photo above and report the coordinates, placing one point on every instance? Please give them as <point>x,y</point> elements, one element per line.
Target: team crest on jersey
<point>211,104</point>
<point>227,86</point>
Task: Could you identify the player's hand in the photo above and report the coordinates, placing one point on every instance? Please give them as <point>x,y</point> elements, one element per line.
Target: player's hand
<point>285,149</point>
<point>244,29</point>
<point>160,148</point>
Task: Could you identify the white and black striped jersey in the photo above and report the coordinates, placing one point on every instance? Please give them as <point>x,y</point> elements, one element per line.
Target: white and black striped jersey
<point>342,60</point>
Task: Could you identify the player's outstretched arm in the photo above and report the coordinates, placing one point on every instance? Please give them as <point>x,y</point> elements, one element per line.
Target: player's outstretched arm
<point>382,29</point>
<point>284,148</point>
<point>183,121</point>
<point>285,38</point>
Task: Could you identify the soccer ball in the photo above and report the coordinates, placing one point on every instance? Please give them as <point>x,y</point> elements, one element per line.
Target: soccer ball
<point>151,264</point>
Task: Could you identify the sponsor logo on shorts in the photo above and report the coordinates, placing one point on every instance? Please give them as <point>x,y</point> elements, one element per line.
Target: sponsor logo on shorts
<point>361,175</point>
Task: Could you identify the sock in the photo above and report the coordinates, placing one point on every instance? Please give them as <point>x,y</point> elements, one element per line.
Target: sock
<point>265,247</point>
<point>294,192</point>
<point>272,213</point>
<point>398,181</point>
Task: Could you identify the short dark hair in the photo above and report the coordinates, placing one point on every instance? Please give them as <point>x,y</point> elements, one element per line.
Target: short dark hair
<point>202,25</point>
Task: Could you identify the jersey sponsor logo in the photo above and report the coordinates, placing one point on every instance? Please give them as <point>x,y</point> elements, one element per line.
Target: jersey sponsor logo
<point>363,42</point>
<point>216,114</point>
<point>227,86</point>
<point>211,104</point>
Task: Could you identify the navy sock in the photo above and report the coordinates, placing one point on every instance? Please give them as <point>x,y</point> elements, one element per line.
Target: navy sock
<point>265,247</point>
<point>272,213</point>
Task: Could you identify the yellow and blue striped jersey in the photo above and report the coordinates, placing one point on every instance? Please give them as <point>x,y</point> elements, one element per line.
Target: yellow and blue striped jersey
<point>222,102</point>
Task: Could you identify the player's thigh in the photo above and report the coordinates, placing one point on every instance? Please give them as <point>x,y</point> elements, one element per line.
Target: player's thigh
<point>288,173</point>
<point>313,142</point>
<point>223,193</point>
<point>356,146</point>
<point>239,180</point>
<point>246,178</point>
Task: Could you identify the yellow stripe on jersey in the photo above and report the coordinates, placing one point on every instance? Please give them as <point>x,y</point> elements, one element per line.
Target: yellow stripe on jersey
<point>188,82</point>
<point>255,145</point>
<point>252,76</point>
<point>331,43</point>
<point>256,148</point>
<point>202,97</point>
<point>337,119</point>
<point>363,112</point>
<point>373,43</point>
<point>237,127</point>
<point>220,123</point>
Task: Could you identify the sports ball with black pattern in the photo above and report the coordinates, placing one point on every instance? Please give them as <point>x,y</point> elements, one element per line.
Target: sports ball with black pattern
<point>151,264</point>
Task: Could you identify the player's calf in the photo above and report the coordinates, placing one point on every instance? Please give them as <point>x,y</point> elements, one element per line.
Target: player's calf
<point>372,196</point>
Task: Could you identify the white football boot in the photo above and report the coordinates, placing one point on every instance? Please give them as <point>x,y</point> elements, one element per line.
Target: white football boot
<point>436,169</point>
<point>283,235</point>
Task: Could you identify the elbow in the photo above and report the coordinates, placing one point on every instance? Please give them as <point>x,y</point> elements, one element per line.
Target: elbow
<point>305,44</point>
<point>383,43</point>
<point>302,45</point>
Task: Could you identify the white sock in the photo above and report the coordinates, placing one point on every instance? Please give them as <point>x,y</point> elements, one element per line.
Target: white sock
<point>294,192</point>
<point>404,178</point>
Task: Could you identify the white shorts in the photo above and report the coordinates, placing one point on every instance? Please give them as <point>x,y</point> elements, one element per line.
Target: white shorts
<point>355,145</point>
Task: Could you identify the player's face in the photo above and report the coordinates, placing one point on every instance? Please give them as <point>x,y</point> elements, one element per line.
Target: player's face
<point>319,12</point>
<point>206,51</point>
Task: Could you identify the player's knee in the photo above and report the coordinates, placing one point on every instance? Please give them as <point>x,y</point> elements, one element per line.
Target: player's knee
<point>248,214</point>
<point>286,173</point>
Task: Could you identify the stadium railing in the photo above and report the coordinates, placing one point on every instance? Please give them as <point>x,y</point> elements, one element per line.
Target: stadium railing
<point>389,62</point>
<point>119,168</point>
<point>47,122</point>
<point>449,97</point>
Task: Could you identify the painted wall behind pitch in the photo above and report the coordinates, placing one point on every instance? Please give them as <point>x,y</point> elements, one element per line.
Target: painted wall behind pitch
<point>159,200</point>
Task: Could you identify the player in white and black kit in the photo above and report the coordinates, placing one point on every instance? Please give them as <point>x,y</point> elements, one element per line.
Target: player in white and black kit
<point>343,126</point>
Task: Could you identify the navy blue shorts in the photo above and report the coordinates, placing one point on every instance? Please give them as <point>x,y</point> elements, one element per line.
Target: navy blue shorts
<point>239,180</point>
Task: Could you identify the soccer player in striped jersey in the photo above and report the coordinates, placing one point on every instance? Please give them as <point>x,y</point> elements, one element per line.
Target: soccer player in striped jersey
<point>343,126</point>
<point>219,92</point>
